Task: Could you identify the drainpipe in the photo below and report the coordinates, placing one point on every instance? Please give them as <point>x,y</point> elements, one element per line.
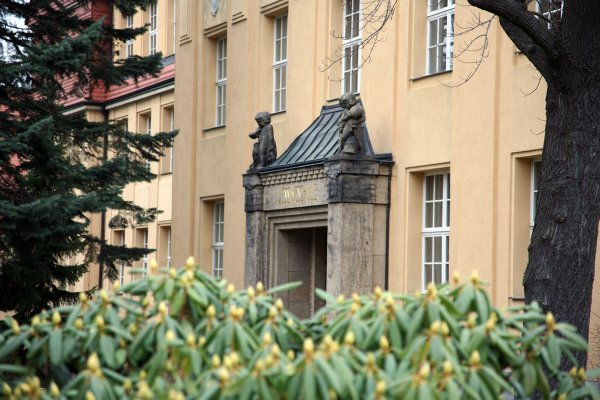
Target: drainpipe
<point>387,229</point>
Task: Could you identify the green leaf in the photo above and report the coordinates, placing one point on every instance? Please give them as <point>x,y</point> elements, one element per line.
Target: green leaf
<point>482,305</point>
<point>309,384</point>
<point>55,346</point>
<point>553,348</point>
<point>529,378</point>
<point>325,296</point>
<point>329,373</point>
<point>285,287</point>
<point>14,369</point>
<point>576,341</point>
<point>11,345</point>
<point>107,350</point>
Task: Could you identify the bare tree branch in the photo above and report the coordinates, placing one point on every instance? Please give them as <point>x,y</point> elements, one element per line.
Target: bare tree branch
<point>538,57</point>
<point>515,13</point>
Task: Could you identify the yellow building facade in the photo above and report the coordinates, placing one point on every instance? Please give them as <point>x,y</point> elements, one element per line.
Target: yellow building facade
<point>464,136</point>
<point>146,106</point>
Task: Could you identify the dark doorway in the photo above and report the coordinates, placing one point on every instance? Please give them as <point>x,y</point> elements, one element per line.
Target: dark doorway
<point>302,256</point>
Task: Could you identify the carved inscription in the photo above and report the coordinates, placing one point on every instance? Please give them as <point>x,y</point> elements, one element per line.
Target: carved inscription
<point>297,195</point>
<point>292,195</point>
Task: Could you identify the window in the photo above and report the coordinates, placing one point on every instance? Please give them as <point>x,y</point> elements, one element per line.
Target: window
<point>351,47</point>
<point>221,82</point>
<point>436,228</point>
<point>142,241</point>
<point>129,43</point>
<point>148,119</point>
<point>153,28</point>
<point>551,10</point>
<point>218,235</point>
<point>169,248</point>
<point>536,166</point>
<point>440,35</point>
<point>280,64</point>
<point>165,246</point>
<point>168,125</point>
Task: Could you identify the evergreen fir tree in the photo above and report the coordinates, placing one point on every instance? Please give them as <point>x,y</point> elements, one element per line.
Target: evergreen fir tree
<point>58,170</point>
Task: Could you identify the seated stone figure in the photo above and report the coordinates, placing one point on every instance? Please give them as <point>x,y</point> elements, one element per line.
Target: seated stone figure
<point>264,151</point>
<point>350,125</point>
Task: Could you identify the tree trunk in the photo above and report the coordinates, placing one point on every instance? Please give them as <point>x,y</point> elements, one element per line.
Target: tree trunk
<point>560,272</point>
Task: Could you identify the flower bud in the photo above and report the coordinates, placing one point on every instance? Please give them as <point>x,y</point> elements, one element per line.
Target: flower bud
<point>54,390</point>
<point>16,329</point>
<point>474,277</point>
<point>349,338</point>
<point>190,263</point>
<point>475,359</point>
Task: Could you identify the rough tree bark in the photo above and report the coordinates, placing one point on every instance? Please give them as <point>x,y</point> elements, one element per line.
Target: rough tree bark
<point>560,271</point>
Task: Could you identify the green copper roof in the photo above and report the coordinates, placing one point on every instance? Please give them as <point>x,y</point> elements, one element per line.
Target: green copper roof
<point>317,143</point>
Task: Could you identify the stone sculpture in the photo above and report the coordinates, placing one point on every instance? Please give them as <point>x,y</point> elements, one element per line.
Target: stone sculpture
<point>264,151</point>
<point>350,126</point>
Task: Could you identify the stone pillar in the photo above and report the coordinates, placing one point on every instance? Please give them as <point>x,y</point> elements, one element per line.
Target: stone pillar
<point>256,258</point>
<point>357,197</point>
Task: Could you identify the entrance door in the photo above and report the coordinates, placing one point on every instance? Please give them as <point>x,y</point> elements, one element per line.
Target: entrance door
<point>302,256</point>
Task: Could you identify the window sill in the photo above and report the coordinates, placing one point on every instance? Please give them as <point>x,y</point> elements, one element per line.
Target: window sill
<point>418,78</point>
<point>214,128</point>
<point>278,112</point>
<point>166,173</point>
<point>336,100</point>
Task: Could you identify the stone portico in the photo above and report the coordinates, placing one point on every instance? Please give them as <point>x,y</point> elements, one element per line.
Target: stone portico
<point>318,217</point>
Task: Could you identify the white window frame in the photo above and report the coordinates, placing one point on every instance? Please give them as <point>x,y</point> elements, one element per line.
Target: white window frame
<point>148,132</point>
<point>533,193</point>
<point>218,239</point>
<point>552,11</point>
<point>280,46</point>
<point>221,83</point>
<point>169,249</point>
<point>439,16</point>
<point>145,258</point>
<point>351,47</point>
<point>433,232</point>
<point>129,43</point>
<point>153,28</point>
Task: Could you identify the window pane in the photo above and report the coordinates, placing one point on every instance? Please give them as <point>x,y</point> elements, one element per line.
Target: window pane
<point>354,57</point>
<point>437,221</point>
<point>437,249</point>
<point>439,186</point>
<point>433,32</point>
<point>437,274</point>
<point>429,215</point>
<point>428,274</point>
<point>283,76</point>
<point>278,50</point>
<point>283,104</point>
<point>283,49</point>
<point>277,79</point>
<point>355,24</point>
<point>428,249</point>
<point>429,187</point>
<point>348,32</point>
